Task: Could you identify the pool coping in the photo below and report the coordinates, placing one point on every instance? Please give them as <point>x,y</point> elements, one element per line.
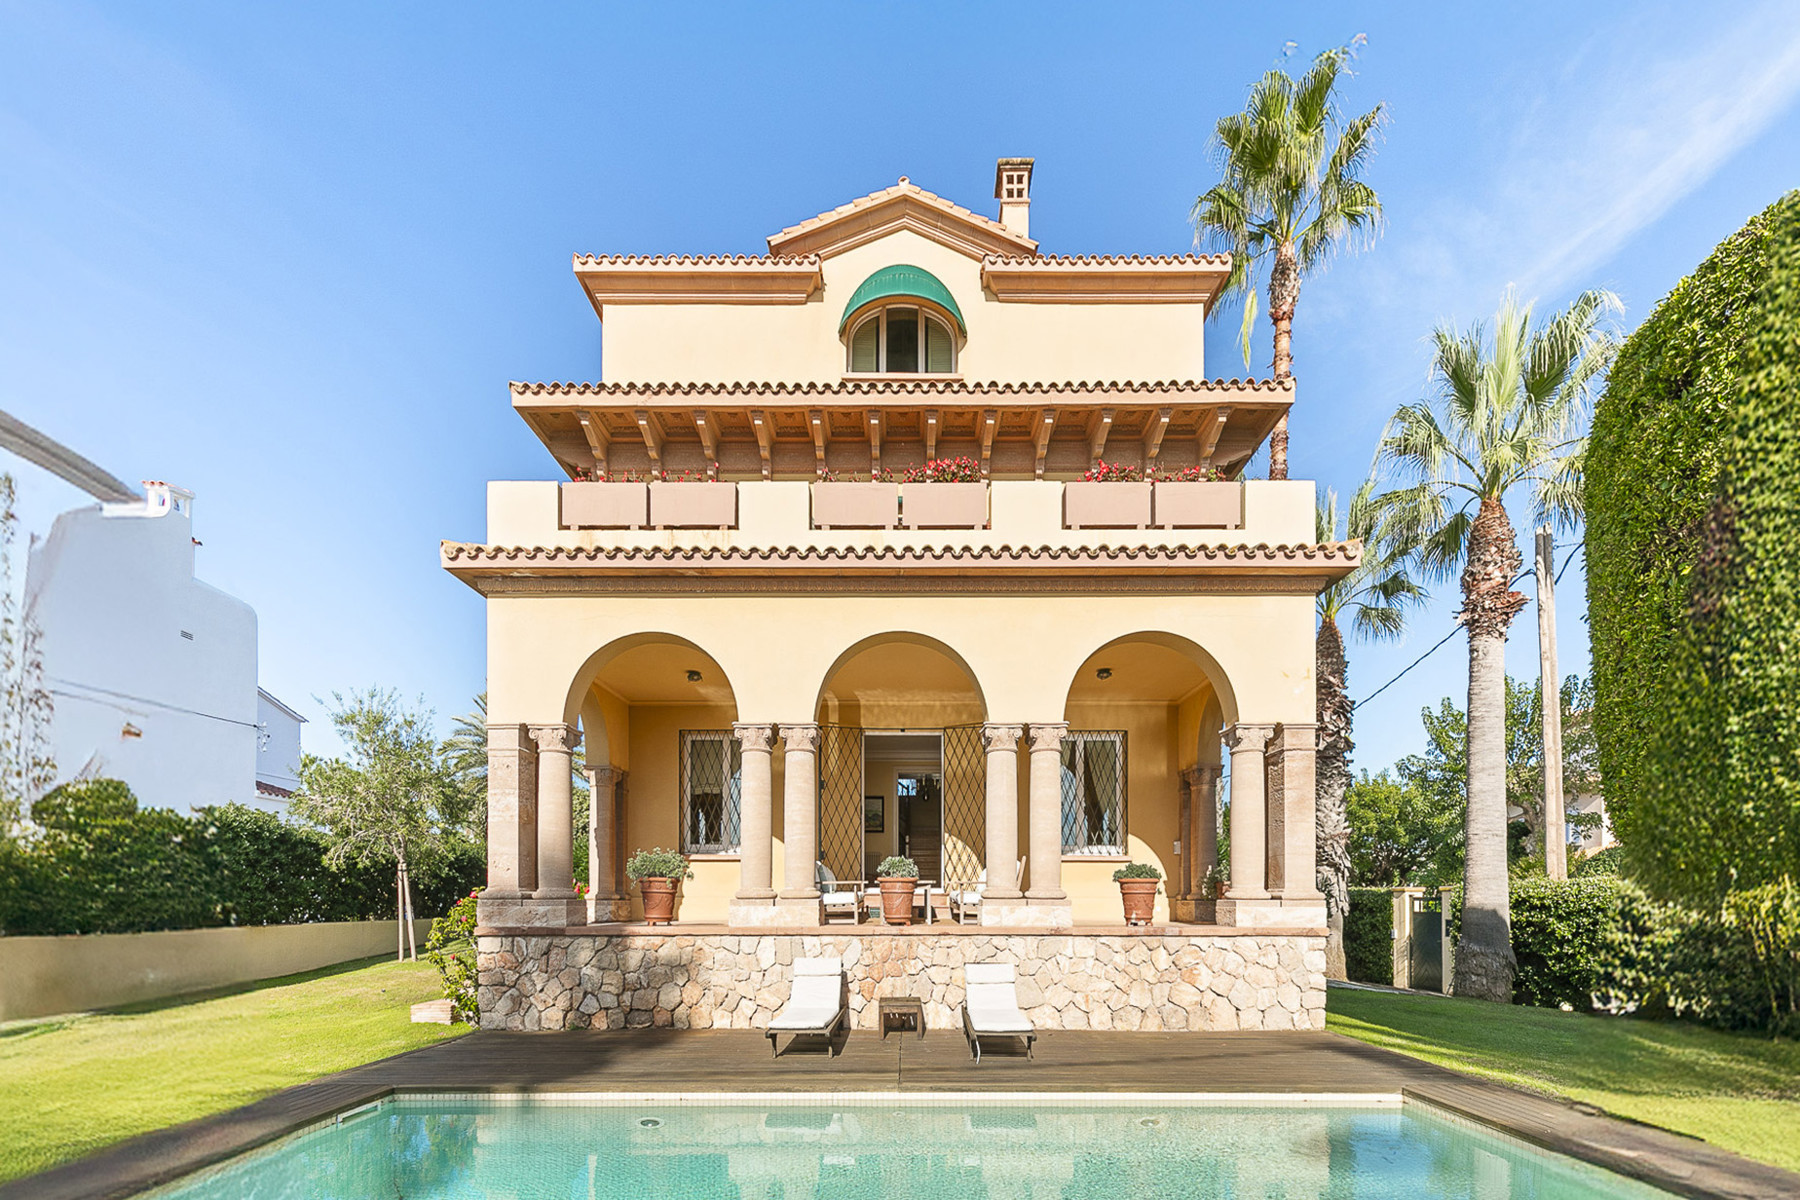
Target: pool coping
<point>1676,1163</point>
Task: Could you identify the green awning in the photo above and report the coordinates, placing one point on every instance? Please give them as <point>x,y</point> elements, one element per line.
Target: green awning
<point>914,283</point>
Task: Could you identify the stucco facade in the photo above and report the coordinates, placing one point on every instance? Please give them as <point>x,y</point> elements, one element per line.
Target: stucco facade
<point>795,663</point>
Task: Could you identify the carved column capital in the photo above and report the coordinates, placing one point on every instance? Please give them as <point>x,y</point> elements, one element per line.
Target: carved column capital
<point>1001,739</point>
<point>1191,778</point>
<point>1245,736</point>
<point>552,738</point>
<point>754,737</point>
<point>1048,736</point>
<point>801,737</point>
<point>605,776</point>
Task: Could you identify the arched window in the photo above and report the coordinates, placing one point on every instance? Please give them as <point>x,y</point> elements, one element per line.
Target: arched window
<point>902,339</point>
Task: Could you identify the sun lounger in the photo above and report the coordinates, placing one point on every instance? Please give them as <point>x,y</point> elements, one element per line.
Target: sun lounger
<point>991,1007</point>
<point>816,1003</point>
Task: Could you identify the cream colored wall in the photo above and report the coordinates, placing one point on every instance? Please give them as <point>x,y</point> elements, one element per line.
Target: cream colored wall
<point>1152,765</point>
<point>779,514</point>
<point>45,976</point>
<point>653,811</point>
<point>798,343</point>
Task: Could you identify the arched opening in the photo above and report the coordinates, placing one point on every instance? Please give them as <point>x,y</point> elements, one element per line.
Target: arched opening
<point>901,765</point>
<point>663,767</point>
<point>1140,766</point>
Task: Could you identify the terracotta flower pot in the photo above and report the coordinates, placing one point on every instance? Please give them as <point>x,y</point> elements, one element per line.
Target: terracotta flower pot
<point>1139,896</point>
<point>897,900</point>
<point>659,900</point>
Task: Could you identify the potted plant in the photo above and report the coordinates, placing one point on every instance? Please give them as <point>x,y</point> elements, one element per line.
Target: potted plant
<point>855,504</point>
<point>605,501</point>
<point>658,873</point>
<point>1199,497</point>
<point>899,879</point>
<point>1110,494</point>
<point>944,493</point>
<point>690,501</point>
<point>1137,889</point>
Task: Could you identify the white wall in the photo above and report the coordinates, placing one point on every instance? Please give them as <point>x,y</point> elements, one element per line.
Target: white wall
<point>153,672</point>
<point>278,750</point>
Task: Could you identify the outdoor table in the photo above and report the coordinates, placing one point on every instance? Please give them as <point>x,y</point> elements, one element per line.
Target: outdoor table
<point>900,1006</point>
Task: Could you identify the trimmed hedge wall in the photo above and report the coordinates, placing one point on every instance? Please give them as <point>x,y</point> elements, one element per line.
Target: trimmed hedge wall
<point>1693,513</point>
<point>1369,936</point>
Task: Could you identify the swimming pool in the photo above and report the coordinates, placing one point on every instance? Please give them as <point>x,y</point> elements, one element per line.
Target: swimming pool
<point>863,1147</point>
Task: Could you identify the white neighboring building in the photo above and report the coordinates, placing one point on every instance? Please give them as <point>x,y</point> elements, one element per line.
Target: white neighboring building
<point>152,671</point>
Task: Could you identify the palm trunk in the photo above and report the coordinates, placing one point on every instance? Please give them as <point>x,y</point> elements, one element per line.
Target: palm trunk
<point>1484,957</point>
<point>1284,294</point>
<point>1332,829</point>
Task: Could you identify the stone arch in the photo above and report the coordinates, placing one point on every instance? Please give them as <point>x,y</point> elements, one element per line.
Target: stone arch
<point>897,639</point>
<point>1209,667</point>
<point>677,654</point>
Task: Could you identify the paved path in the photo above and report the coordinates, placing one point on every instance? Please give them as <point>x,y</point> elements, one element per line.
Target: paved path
<point>715,1061</point>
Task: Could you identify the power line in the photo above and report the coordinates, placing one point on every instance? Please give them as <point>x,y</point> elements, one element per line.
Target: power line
<point>1434,649</point>
<point>192,712</point>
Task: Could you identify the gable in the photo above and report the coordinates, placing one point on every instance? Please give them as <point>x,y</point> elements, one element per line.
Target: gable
<point>903,206</point>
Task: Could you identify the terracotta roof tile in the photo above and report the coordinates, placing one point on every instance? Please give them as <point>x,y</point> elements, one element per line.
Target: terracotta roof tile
<point>905,187</point>
<point>860,387</point>
<point>696,260</point>
<point>1108,260</point>
<point>1324,553</point>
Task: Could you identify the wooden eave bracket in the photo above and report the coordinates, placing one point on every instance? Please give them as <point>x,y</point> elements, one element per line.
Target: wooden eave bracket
<point>816,417</point>
<point>990,420</point>
<point>598,440</point>
<point>1212,424</point>
<point>1098,428</point>
<point>653,436</point>
<point>1046,425</point>
<point>1153,436</point>
<point>765,441</point>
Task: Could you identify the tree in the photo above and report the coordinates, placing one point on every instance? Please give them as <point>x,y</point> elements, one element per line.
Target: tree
<point>1375,597</point>
<point>1290,196</point>
<point>386,798</point>
<point>1505,415</point>
<point>26,764</point>
<point>1401,833</point>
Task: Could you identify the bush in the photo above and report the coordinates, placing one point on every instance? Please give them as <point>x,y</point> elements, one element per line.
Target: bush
<point>944,470</point>
<point>657,864</point>
<point>896,866</point>
<point>1369,936</point>
<point>451,949</point>
<point>274,873</point>
<point>1609,861</point>
<point>1560,934</point>
<point>1693,507</point>
<point>1134,870</point>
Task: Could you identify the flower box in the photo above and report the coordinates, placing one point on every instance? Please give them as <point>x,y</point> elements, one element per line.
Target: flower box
<point>605,505</point>
<point>693,505</point>
<point>1114,505</point>
<point>1200,505</point>
<point>944,505</point>
<point>855,505</point>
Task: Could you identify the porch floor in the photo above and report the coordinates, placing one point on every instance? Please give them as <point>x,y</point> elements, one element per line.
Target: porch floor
<point>667,1061</point>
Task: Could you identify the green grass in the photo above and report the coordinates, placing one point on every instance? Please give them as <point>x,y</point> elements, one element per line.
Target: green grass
<point>70,1087</point>
<point>1736,1091</point>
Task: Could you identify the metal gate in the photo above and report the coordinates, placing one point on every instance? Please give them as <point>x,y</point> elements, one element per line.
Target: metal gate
<point>964,764</point>
<point>1426,954</point>
<point>841,800</point>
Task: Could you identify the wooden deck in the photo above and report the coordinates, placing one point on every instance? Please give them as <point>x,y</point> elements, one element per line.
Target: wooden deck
<point>738,1061</point>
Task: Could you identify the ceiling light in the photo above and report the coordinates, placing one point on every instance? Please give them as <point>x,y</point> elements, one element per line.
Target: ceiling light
<point>693,677</point>
<point>1103,673</point>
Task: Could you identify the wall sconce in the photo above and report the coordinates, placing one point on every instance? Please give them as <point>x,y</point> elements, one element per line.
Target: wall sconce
<point>693,676</point>
<point>1103,673</point>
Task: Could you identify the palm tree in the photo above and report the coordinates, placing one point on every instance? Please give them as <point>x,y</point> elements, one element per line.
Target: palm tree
<point>465,756</point>
<point>1290,195</point>
<point>1506,414</point>
<point>1375,596</point>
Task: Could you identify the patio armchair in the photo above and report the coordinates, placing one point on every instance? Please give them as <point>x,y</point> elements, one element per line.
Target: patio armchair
<point>991,1007</point>
<point>840,897</point>
<point>814,1006</point>
<point>966,895</point>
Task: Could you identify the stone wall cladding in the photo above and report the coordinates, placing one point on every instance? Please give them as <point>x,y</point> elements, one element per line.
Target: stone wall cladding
<point>724,981</point>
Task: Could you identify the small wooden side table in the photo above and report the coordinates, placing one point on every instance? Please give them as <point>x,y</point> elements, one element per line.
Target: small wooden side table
<point>887,1007</point>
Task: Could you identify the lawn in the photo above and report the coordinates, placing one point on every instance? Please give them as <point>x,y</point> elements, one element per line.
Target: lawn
<point>74,1086</point>
<point>1736,1091</point>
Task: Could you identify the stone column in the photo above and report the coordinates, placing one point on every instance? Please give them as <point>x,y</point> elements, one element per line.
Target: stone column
<point>1002,745</point>
<point>1203,824</point>
<point>603,891</point>
<point>798,903</point>
<point>756,825</point>
<point>511,825</point>
<point>554,898</point>
<point>1046,889</point>
<point>1293,856</point>
<point>1249,820</point>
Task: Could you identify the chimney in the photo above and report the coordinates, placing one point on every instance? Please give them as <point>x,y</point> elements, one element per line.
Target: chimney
<point>1012,188</point>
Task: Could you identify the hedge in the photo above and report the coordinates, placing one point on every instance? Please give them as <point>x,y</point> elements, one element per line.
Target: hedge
<point>101,864</point>
<point>1693,510</point>
<point>1369,936</point>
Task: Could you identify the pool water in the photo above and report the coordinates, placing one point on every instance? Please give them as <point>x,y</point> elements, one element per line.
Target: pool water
<point>935,1149</point>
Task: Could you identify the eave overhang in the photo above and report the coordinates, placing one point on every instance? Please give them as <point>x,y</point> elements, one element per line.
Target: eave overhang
<point>685,279</point>
<point>1105,279</point>
<point>949,570</point>
<point>904,206</point>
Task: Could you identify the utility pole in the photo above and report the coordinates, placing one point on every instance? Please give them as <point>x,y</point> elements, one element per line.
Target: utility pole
<point>1556,837</point>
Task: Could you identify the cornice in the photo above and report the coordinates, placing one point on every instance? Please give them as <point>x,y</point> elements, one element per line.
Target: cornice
<point>690,279</point>
<point>905,205</point>
<point>924,391</point>
<point>1106,279</point>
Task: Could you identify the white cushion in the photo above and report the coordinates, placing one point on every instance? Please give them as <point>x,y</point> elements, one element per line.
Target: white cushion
<point>817,996</point>
<point>839,899</point>
<point>993,999</point>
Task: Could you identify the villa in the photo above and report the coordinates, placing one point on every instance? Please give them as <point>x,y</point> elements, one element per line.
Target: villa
<point>788,660</point>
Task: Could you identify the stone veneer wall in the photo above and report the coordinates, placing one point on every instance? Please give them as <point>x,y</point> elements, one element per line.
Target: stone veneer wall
<point>727,981</point>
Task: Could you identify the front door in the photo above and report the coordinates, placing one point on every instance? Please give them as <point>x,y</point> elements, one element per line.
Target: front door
<point>920,800</point>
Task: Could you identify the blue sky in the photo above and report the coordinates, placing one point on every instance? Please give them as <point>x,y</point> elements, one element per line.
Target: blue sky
<point>289,258</point>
